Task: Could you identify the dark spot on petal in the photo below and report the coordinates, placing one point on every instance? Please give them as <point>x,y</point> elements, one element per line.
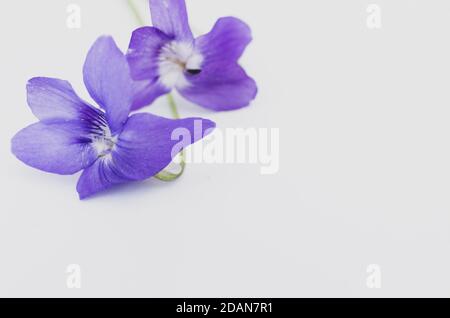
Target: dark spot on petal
<point>194,72</point>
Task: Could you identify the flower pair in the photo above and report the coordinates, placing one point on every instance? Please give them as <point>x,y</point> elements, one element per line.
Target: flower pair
<point>107,144</point>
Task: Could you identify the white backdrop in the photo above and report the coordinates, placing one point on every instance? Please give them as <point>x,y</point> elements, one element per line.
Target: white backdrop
<point>364,118</point>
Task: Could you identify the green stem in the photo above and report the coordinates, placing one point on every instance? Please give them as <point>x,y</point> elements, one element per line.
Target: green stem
<point>165,176</point>
<point>173,106</point>
<point>135,11</point>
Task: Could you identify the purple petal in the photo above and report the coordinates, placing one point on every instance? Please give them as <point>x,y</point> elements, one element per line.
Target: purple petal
<point>143,53</point>
<point>226,41</point>
<point>108,80</point>
<point>170,16</point>
<point>53,100</point>
<point>145,147</point>
<point>61,148</point>
<point>146,144</point>
<point>222,83</point>
<point>221,86</point>
<point>146,93</point>
<point>100,176</point>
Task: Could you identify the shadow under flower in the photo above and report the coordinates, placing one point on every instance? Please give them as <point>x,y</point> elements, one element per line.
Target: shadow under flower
<point>133,188</point>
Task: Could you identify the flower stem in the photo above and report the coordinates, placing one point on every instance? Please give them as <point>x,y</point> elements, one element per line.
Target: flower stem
<point>167,176</point>
<point>164,175</point>
<point>173,106</point>
<point>135,11</point>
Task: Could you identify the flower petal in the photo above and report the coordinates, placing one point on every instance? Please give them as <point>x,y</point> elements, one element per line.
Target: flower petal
<point>222,83</point>
<point>146,93</point>
<point>108,80</point>
<point>226,41</point>
<point>145,147</point>
<point>143,52</point>
<point>100,176</point>
<point>146,144</point>
<point>52,99</point>
<point>221,86</point>
<point>170,16</point>
<point>61,148</point>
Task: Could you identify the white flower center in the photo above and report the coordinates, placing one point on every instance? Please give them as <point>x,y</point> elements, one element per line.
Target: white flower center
<point>175,59</point>
<point>104,143</point>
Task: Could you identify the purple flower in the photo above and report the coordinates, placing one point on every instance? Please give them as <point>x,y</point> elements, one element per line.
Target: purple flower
<point>204,70</point>
<point>111,147</point>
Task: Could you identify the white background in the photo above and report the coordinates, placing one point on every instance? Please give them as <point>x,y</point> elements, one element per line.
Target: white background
<point>364,162</point>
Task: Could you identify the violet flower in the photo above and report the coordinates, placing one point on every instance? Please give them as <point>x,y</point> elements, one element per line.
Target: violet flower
<point>204,70</point>
<point>111,147</point>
